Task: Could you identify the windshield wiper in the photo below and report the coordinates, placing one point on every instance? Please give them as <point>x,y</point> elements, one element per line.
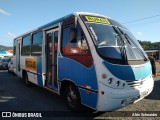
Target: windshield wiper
<point>93,34</point>
<point>129,39</point>
<point>127,42</point>
<point>121,44</point>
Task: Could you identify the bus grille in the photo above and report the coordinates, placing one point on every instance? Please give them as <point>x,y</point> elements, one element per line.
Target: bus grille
<point>134,84</point>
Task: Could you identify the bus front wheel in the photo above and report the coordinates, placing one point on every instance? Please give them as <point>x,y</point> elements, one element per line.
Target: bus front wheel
<point>72,97</point>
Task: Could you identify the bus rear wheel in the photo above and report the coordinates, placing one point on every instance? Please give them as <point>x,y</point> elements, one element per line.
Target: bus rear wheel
<point>72,97</point>
<point>25,77</point>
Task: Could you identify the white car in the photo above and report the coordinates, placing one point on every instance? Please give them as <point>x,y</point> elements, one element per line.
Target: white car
<point>10,66</point>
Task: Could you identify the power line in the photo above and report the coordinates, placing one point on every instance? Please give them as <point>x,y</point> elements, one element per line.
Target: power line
<point>140,24</point>
<point>141,19</point>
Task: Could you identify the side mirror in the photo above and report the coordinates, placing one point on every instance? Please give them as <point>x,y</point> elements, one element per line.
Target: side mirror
<point>73,35</point>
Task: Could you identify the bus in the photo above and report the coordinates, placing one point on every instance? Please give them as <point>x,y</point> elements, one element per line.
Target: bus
<point>90,59</point>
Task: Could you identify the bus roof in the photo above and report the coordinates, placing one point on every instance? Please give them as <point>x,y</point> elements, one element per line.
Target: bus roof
<point>57,21</point>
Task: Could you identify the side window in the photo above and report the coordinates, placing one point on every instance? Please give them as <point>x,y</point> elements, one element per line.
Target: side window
<point>81,39</point>
<point>56,40</point>
<point>14,47</point>
<point>73,41</point>
<point>66,45</point>
<point>25,50</point>
<point>26,40</point>
<point>36,46</point>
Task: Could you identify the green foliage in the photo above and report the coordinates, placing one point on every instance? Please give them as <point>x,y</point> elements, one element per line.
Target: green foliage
<point>145,45</point>
<point>149,45</point>
<point>4,48</point>
<point>156,45</point>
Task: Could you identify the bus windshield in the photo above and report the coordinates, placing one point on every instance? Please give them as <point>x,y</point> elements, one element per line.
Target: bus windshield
<point>112,41</point>
<point>104,35</point>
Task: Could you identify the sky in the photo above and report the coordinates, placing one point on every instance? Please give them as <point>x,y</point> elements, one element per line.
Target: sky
<point>20,16</point>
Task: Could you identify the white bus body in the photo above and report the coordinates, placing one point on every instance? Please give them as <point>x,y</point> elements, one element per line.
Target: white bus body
<point>89,58</point>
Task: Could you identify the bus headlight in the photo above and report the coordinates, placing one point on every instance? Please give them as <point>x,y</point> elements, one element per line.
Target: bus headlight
<point>113,83</point>
<point>117,83</point>
<point>110,80</point>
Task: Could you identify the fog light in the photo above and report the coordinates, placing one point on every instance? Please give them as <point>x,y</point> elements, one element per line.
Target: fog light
<point>104,76</point>
<point>102,92</point>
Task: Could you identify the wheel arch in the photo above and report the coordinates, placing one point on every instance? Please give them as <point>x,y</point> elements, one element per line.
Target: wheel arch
<point>66,83</point>
<point>24,72</point>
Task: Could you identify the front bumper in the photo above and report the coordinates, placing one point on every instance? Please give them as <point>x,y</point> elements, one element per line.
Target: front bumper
<point>113,99</point>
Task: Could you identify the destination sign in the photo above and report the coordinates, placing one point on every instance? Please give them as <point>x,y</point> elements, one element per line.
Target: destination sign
<point>96,19</point>
<point>30,63</point>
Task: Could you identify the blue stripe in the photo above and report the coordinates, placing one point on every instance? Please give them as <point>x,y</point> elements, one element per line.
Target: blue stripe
<point>56,21</point>
<point>88,99</point>
<point>126,72</point>
<point>80,75</point>
<point>71,69</point>
<point>39,70</point>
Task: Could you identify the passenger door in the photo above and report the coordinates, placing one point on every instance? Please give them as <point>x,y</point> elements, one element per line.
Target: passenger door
<point>51,58</point>
<point>18,44</point>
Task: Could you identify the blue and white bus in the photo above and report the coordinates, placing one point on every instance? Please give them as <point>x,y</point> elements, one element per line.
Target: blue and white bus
<point>88,58</point>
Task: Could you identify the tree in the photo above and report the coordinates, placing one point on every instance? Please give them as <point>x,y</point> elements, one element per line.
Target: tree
<point>146,44</point>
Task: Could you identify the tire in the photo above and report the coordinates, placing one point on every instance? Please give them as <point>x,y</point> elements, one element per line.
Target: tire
<point>72,97</point>
<point>25,77</point>
<point>9,71</point>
